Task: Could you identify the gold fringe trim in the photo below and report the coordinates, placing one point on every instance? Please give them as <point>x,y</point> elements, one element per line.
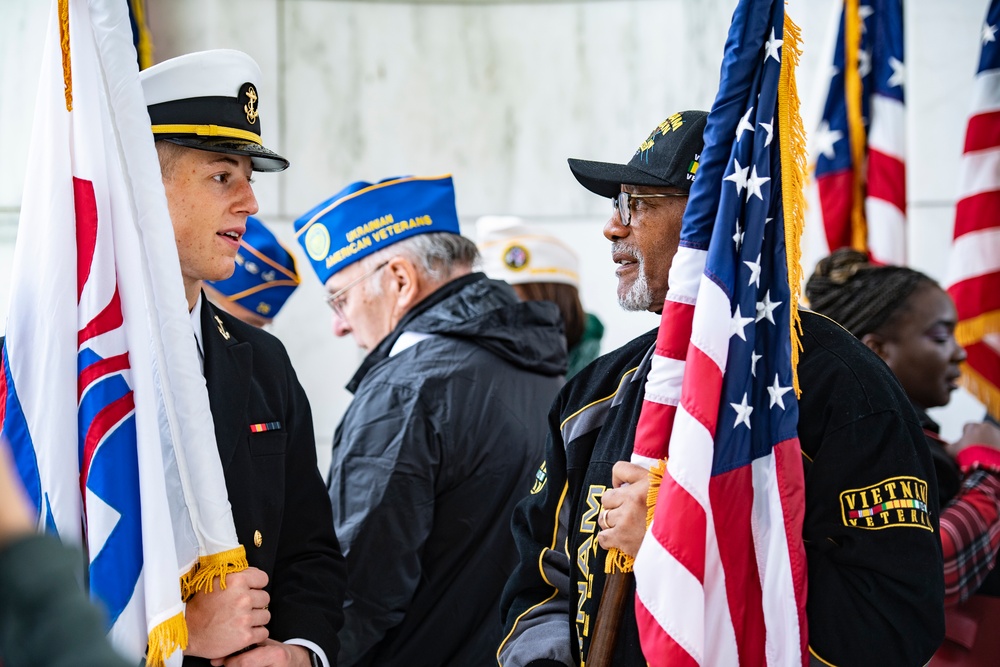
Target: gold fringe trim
<point>144,48</point>
<point>975,329</point>
<point>619,561</point>
<point>855,122</point>
<point>794,174</point>
<point>166,638</point>
<point>985,391</point>
<point>64,43</point>
<point>202,575</point>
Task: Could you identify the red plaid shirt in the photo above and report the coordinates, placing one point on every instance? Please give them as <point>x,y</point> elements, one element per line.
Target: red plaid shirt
<point>970,524</point>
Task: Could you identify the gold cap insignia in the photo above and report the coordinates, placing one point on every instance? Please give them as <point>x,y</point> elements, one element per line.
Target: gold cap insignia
<point>250,108</point>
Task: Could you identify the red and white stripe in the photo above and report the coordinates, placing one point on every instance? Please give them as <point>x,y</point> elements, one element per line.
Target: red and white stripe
<point>974,270</point>
<point>701,545</point>
<point>885,205</point>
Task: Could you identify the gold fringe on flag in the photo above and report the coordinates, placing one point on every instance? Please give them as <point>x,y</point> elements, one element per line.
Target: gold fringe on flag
<point>974,329</point>
<point>64,43</point>
<point>203,574</point>
<point>971,332</point>
<point>984,390</point>
<point>618,560</point>
<point>166,638</point>
<point>855,123</point>
<point>145,46</point>
<point>794,173</point>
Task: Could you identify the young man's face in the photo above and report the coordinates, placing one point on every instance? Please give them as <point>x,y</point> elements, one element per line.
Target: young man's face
<point>209,198</point>
<point>644,250</point>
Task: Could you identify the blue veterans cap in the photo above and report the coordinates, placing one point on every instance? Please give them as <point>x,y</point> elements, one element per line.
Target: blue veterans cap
<point>365,217</point>
<point>265,274</point>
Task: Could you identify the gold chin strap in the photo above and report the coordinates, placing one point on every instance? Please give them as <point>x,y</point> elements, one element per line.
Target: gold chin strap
<point>209,131</point>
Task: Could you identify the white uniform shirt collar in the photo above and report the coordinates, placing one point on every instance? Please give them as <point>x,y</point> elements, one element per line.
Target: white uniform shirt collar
<point>196,325</point>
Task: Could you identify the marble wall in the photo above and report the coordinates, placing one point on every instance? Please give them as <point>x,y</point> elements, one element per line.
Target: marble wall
<point>499,94</point>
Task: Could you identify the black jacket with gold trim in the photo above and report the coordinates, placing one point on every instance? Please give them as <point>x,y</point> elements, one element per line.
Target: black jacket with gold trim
<point>875,574</point>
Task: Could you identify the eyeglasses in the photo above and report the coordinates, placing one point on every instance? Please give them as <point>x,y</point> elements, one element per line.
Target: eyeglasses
<point>337,300</point>
<point>623,203</point>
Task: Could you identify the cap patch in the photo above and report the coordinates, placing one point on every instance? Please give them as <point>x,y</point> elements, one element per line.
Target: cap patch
<point>516,257</point>
<point>693,167</point>
<point>248,92</point>
<point>317,241</point>
<point>894,502</point>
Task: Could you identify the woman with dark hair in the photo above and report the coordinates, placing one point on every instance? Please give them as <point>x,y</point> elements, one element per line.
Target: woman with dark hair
<point>541,268</point>
<point>909,321</point>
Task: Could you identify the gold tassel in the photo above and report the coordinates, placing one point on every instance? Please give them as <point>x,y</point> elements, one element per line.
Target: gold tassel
<point>985,391</point>
<point>144,48</point>
<point>973,330</point>
<point>794,173</point>
<point>619,561</point>
<point>166,638</point>
<point>202,575</point>
<point>64,43</point>
<point>855,123</point>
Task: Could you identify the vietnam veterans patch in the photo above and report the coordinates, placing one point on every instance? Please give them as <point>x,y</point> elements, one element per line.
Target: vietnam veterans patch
<point>894,502</point>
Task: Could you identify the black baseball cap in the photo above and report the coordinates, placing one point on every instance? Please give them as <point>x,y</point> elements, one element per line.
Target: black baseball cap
<point>667,158</point>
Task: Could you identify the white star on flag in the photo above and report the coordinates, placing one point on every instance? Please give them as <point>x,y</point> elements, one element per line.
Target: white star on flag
<point>765,308</point>
<point>738,236</point>
<point>769,128</point>
<point>772,47</point>
<point>739,177</point>
<point>826,139</point>
<point>738,324</point>
<point>744,124</point>
<point>743,411</point>
<point>864,11</point>
<point>754,271</point>
<point>754,358</point>
<point>898,73</point>
<point>989,33</point>
<point>754,183</point>
<point>864,62</point>
<point>776,391</point>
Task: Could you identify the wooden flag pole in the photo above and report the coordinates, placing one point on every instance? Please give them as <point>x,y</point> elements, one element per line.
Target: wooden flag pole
<point>609,616</point>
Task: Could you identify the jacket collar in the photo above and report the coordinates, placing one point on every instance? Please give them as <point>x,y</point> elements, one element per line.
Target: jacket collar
<point>382,350</point>
<point>228,366</point>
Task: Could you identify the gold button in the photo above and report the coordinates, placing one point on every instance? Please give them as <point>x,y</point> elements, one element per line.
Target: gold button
<point>257,538</point>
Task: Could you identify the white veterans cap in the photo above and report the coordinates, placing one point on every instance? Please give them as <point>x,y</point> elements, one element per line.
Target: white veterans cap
<point>514,252</point>
<point>209,100</point>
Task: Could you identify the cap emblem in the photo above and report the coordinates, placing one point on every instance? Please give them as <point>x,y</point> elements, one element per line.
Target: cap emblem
<point>515,257</point>
<point>318,241</point>
<point>669,125</point>
<point>250,108</point>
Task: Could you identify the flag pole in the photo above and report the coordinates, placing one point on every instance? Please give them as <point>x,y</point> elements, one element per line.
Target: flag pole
<point>609,616</point>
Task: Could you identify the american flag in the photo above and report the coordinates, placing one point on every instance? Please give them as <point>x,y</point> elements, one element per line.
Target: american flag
<point>862,193</point>
<point>974,270</point>
<point>720,576</point>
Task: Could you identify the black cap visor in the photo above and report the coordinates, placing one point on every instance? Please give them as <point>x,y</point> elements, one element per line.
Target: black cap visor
<point>606,179</point>
<point>261,158</point>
